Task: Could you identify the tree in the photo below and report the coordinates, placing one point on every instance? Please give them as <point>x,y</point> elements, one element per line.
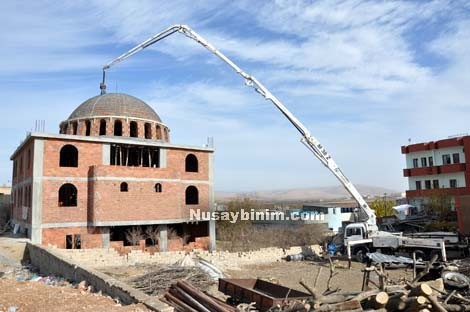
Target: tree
<point>382,207</point>
<point>439,204</point>
<point>238,233</point>
<point>134,235</point>
<point>153,233</point>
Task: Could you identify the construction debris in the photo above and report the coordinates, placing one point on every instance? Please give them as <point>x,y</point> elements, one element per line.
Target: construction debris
<point>157,281</point>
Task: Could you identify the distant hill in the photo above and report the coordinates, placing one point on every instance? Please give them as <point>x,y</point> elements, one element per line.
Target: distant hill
<point>307,194</point>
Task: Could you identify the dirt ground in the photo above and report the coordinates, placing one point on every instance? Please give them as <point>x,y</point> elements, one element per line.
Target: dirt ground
<point>285,273</point>
<point>32,296</point>
<point>290,273</point>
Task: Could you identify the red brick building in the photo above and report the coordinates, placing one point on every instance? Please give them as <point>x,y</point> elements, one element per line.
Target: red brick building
<point>443,165</point>
<point>111,167</point>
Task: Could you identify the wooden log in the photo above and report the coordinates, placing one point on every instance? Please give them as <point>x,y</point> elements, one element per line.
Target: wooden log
<point>378,301</point>
<point>396,289</point>
<point>366,294</point>
<point>437,284</point>
<point>396,303</point>
<point>415,304</point>
<point>353,305</point>
<point>456,307</point>
<point>202,298</point>
<point>181,294</point>
<point>295,307</point>
<point>436,305</point>
<point>421,290</point>
<point>320,299</point>
<point>183,306</point>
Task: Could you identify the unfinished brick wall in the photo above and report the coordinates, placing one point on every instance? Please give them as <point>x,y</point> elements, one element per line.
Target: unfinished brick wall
<point>90,237</point>
<point>22,188</point>
<point>99,198</point>
<point>89,154</point>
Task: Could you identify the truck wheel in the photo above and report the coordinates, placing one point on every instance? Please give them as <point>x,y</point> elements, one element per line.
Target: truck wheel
<point>360,254</point>
<point>455,280</point>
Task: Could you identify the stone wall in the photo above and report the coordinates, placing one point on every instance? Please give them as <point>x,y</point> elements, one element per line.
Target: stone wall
<point>222,259</point>
<point>50,262</point>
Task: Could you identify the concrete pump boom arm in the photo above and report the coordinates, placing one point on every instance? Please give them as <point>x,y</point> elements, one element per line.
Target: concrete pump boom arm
<point>307,139</point>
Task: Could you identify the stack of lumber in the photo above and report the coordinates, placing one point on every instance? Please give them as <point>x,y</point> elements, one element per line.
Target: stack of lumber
<point>184,297</point>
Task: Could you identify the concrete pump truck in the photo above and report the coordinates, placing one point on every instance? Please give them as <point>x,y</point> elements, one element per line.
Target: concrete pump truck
<point>360,237</point>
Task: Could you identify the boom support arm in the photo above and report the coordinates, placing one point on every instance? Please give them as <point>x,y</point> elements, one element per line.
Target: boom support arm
<point>307,139</point>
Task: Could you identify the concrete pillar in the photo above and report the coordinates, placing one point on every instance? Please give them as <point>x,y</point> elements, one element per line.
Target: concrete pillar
<point>106,154</point>
<point>212,238</point>
<point>163,152</point>
<point>105,237</point>
<point>163,238</point>
<point>36,209</point>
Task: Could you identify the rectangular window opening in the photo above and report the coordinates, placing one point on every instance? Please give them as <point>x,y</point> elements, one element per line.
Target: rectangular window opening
<point>453,183</point>
<point>418,185</point>
<point>134,156</point>
<point>427,184</point>
<point>424,162</point>
<point>446,159</point>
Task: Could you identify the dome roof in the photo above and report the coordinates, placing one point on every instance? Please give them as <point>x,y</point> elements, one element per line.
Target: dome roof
<point>115,104</point>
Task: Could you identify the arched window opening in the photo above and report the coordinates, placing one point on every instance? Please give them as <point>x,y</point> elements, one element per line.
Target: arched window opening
<point>191,163</point>
<point>102,127</point>
<point>165,131</point>
<point>159,132</point>
<point>118,128</point>
<point>68,156</point>
<point>148,131</point>
<point>68,195</point>
<point>74,128</point>
<point>124,187</point>
<point>134,132</point>
<point>87,128</point>
<point>158,188</point>
<point>192,195</point>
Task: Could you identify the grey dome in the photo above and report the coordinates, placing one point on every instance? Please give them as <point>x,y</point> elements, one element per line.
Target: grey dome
<point>115,104</point>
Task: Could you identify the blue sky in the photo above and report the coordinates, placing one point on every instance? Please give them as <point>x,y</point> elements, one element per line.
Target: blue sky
<point>363,76</point>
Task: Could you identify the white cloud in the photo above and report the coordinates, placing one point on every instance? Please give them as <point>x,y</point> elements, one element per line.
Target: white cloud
<point>352,71</point>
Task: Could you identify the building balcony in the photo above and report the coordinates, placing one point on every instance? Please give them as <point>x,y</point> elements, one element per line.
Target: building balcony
<point>456,191</point>
<point>426,146</point>
<point>423,171</point>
